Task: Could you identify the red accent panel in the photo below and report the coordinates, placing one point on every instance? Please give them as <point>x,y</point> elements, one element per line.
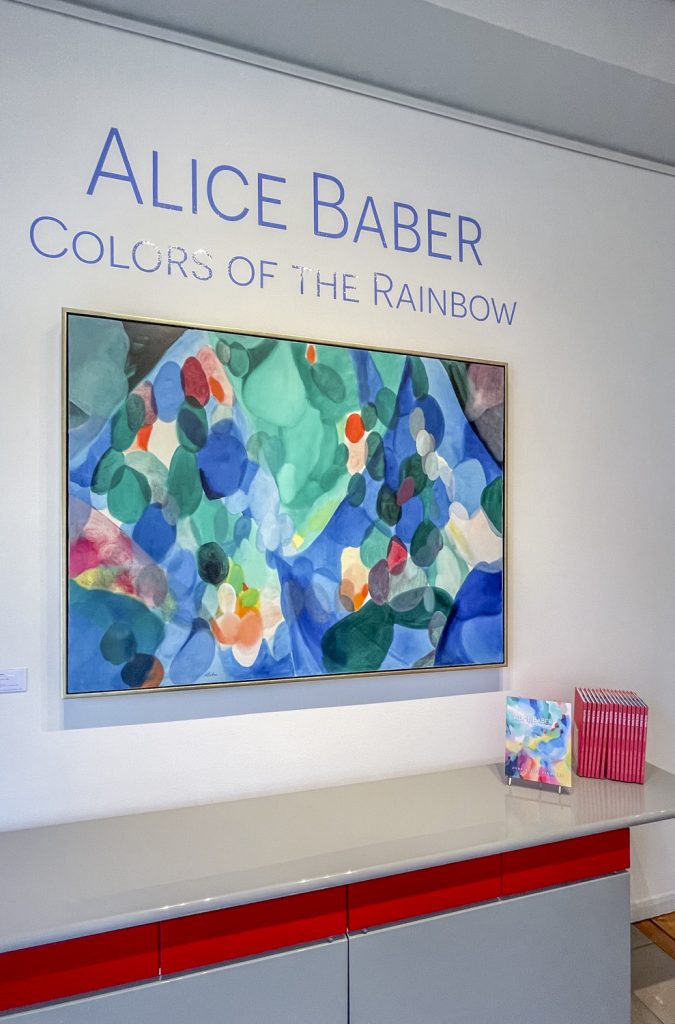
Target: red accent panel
<point>62,969</point>
<point>569,861</point>
<point>188,942</point>
<point>423,892</point>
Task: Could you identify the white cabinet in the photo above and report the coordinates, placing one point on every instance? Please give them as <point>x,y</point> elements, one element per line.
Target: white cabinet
<point>559,956</point>
<point>306,985</point>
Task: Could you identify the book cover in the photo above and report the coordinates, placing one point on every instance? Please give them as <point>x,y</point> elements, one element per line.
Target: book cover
<point>539,741</point>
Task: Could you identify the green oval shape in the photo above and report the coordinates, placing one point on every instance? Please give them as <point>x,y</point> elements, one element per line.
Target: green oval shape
<point>387,507</point>
<point>223,351</point>
<point>239,361</point>
<point>360,641</point>
<point>274,453</point>
<point>192,426</point>
<point>129,496</point>
<point>221,523</point>
<point>135,412</point>
<point>331,477</point>
<point>375,545</point>
<point>341,455</point>
<point>249,598</point>
<point>356,489</point>
<point>329,382</point>
<point>412,610</point>
<point>385,405</point>
<point>369,415</point>
<point>235,577</point>
<point>184,483</point>
<point>492,502</point>
<point>118,643</point>
<point>212,563</point>
<point>426,542</point>
<point>412,467</point>
<point>110,462</point>
<point>420,380</point>
<point>375,456</point>
<point>127,421</point>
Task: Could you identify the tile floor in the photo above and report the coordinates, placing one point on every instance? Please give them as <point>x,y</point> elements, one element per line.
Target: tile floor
<point>652,982</point>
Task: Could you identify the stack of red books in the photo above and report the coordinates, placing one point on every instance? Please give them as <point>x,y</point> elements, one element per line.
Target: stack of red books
<point>610,728</point>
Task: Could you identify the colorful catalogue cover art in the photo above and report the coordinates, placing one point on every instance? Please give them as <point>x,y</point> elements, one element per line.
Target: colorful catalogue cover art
<point>539,741</point>
<point>244,508</point>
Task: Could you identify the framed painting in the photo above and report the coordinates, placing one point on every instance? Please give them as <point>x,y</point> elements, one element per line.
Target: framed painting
<point>246,509</point>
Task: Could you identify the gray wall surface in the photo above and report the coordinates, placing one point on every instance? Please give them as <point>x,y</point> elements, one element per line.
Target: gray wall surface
<point>432,54</point>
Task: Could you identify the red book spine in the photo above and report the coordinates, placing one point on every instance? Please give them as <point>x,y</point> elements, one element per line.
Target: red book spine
<point>592,739</point>
<point>599,737</point>
<point>643,743</point>
<point>620,724</point>
<point>625,717</point>
<point>609,734</point>
<point>628,774</point>
<point>625,745</point>
<point>618,733</point>
<point>635,735</point>
<point>604,728</point>
<point>613,730</point>
<point>639,722</point>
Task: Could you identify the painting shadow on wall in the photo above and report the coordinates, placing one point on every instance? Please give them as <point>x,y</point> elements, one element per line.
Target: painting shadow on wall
<point>95,712</point>
<point>343,535</point>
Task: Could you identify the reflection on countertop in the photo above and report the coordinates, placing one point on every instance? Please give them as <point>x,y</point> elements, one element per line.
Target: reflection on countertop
<point>62,881</point>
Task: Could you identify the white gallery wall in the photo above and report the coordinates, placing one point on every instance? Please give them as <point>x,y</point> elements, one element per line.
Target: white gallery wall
<point>583,247</point>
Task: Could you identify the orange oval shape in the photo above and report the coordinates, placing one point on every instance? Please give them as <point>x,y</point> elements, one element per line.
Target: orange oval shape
<point>226,629</point>
<point>143,436</point>
<point>354,428</point>
<point>216,390</point>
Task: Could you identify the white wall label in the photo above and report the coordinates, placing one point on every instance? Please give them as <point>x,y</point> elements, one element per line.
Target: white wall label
<point>12,680</point>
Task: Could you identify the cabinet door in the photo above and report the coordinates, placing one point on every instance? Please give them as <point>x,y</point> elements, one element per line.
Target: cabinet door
<point>307,985</point>
<point>557,956</point>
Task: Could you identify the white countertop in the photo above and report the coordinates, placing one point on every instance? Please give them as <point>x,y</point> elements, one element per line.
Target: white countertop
<point>64,881</point>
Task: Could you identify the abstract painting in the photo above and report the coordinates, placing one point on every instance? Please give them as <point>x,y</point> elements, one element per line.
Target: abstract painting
<point>538,741</point>
<point>246,508</point>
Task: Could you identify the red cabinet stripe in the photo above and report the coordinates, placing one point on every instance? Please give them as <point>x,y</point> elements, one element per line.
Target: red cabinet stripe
<point>189,942</point>
<point>569,861</point>
<point>62,969</point>
<point>429,891</point>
